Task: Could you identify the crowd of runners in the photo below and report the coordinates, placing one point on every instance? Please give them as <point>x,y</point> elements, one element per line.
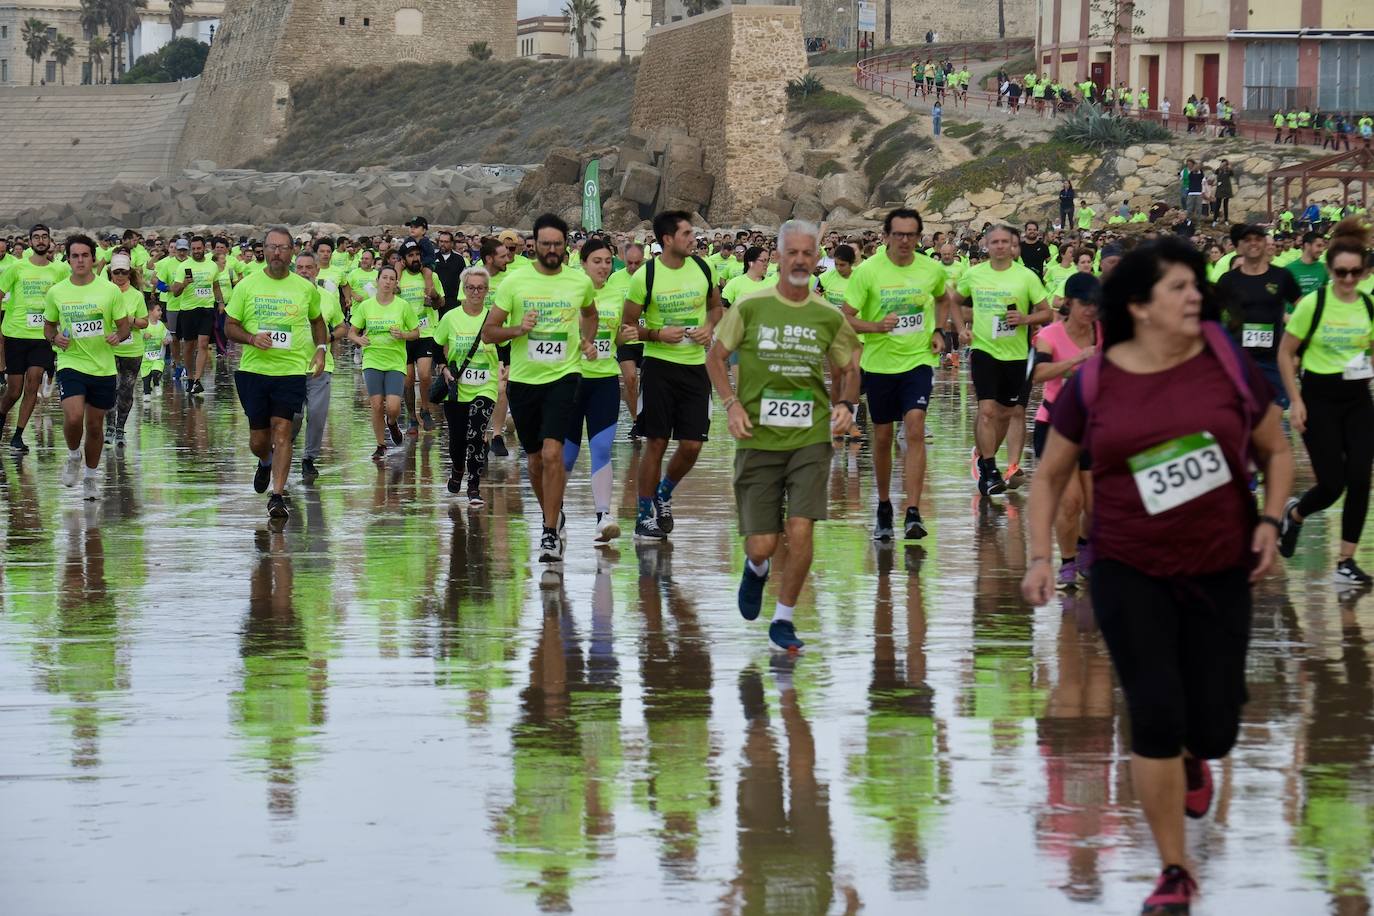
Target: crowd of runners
<point>1163,371</point>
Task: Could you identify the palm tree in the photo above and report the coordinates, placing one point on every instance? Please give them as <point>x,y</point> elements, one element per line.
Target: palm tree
<point>582,15</point>
<point>176,13</point>
<point>122,16</point>
<point>36,41</point>
<point>63,50</point>
<point>94,49</point>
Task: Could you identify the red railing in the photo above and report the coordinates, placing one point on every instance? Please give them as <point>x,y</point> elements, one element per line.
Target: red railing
<point>871,74</point>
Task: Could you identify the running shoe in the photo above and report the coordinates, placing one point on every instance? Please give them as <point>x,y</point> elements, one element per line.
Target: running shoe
<point>647,529</point>
<point>663,508</point>
<point>973,464</point>
<point>455,486</point>
<point>475,500</point>
<point>1347,573</point>
<point>414,429</point>
<point>1289,529</point>
<point>394,432</point>
<point>308,470</point>
<point>147,396</point>
<point>882,528</point>
<point>1015,477</point>
<point>90,488</point>
<point>562,522</point>
<point>426,420</point>
<point>751,592</point>
<point>1068,575</point>
<point>498,446</point>
<point>17,443</point>
<point>197,387</point>
<point>177,372</point>
<point>109,435</point>
<point>1198,797</point>
<point>550,548</point>
<point>992,484</point>
<point>379,453</point>
<point>782,636</point>
<point>607,530</point>
<point>915,528</point>
<point>1172,895</point>
<point>261,475</point>
<point>71,471</point>
<point>276,506</point>
<point>119,439</point>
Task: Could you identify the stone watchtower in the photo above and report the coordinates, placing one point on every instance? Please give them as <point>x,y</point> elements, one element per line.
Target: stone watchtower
<point>264,46</point>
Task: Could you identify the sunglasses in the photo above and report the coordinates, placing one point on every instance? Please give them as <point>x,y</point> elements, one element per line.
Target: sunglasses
<point>1342,273</point>
<point>119,270</point>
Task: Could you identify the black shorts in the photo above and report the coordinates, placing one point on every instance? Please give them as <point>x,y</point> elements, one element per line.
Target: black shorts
<point>630,353</point>
<point>1003,381</point>
<point>25,353</point>
<point>677,401</point>
<point>98,390</point>
<point>422,348</point>
<point>891,395</point>
<point>197,322</point>
<point>1041,434</point>
<point>503,354</point>
<point>547,411</point>
<point>265,397</point>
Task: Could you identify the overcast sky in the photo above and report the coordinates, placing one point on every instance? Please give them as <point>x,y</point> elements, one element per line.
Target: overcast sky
<point>527,8</point>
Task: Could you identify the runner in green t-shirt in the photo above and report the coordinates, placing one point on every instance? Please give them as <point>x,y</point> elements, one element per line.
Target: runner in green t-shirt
<point>598,397</point>
<point>154,336</point>
<point>84,317</point>
<point>897,301</point>
<point>315,415</point>
<point>472,368</point>
<point>680,315</point>
<point>195,284</point>
<point>28,354</point>
<point>782,419</point>
<point>423,290</point>
<point>1001,301</point>
<point>630,354</point>
<point>1331,405</point>
<point>380,326</point>
<point>271,313</point>
<point>129,352</point>
<point>548,314</point>
<point>754,277</point>
<point>832,283</point>
<point>1308,268</point>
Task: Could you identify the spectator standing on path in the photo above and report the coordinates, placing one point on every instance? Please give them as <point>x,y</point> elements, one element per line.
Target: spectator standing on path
<point>1165,107</point>
<point>1066,197</point>
<point>936,113</point>
<point>1226,189</point>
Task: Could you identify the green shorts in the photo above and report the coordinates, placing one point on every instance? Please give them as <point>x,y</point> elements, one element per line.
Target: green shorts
<point>763,479</point>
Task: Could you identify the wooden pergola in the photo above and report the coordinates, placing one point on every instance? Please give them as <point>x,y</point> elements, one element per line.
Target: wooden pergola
<point>1354,166</point>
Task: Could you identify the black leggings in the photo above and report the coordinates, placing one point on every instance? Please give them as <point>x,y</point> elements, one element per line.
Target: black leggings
<point>1340,444</point>
<point>1178,646</point>
<point>467,437</point>
<point>1222,208</point>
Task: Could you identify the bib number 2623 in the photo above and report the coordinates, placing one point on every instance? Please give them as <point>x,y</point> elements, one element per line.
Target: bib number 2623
<point>788,409</point>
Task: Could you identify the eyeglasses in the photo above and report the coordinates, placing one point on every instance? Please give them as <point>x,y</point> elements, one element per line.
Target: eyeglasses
<point>278,247</point>
<point>1342,273</point>
<point>905,235</point>
<point>119,270</point>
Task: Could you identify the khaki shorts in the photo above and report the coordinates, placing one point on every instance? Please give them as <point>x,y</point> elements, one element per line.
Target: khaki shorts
<point>764,479</point>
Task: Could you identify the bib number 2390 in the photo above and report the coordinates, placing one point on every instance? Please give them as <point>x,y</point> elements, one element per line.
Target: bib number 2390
<point>1179,471</point>
<point>789,409</point>
<point>913,323</point>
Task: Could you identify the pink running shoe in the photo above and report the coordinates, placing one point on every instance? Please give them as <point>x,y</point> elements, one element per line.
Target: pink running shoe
<point>1173,893</point>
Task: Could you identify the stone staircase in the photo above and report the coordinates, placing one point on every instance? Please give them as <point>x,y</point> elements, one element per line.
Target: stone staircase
<point>58,142</point>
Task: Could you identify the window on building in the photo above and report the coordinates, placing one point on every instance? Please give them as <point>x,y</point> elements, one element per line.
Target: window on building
<point>409,21</point>
<point>366,21</point>
<point>1271,75</point>
<point>52,33</point>
<point>4,71</point>
<point>86,73</point>
<point>343,20</point>
<point>50,71</point>
<point>4,31</point>
<point>1345,77</point>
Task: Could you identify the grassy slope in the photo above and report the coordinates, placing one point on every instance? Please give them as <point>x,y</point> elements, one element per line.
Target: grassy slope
<point>417,116</point>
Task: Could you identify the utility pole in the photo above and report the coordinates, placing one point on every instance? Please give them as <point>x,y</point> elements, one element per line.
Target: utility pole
<point>623,55</point>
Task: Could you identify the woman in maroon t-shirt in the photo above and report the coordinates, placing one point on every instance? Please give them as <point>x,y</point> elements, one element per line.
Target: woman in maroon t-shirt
<point>1173,414</point>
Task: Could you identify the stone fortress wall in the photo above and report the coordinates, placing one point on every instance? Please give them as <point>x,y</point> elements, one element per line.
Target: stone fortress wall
<point>722,78</point>
<point>263,46</point>
<point>955,20</point>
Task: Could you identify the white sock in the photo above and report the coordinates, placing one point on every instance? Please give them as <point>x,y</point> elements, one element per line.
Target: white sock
<point>93,472</point>
<point>73,453</point>
<point>759,570</point>
<point>782,612</point>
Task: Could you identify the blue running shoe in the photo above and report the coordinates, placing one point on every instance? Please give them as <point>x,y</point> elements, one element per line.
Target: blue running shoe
<point>751,593</point>
<point>782,635</point>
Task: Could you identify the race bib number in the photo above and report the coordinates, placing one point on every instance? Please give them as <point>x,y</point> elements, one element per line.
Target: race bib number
<point>789,409</point>
<point>370,288</point>
<point>605,346</point>
<point>424,323</point>
<point>475,377</point>
<point>1257,336</point>
<point>1358,369</point>
<point>1001,327</point>
<point>92,328</point>
<point>202,292</point>
<point>687,341</point>
<point>911,324</point>
<point>281,340</point>
<point>1179,471</point>
<point>33,320</point>
<point>152,355</point>
<point>547,348</point>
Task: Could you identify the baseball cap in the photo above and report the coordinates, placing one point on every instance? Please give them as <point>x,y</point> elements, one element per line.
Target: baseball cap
<point>120,261</point>
<point>183,245</point>
<point>509,237</point>
<point>409,245</point>
<point>1112,250</point>
<point>1085,287</point>
<point>418,221</point>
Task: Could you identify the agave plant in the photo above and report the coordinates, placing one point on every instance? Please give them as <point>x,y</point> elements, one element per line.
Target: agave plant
<point>804,86</point>
<point>1089,126</point>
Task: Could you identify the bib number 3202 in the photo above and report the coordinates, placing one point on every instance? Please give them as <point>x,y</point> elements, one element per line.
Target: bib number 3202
<point>92,328</point>
<point>1179,471</point>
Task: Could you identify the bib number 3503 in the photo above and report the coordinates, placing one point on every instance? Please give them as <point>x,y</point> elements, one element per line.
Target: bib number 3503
<point>1179,471</point>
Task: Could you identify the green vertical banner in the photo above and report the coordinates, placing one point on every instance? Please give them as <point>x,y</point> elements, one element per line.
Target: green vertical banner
<point>591,197</point>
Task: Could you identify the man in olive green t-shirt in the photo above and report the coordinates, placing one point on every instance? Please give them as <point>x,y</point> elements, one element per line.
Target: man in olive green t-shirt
<point>1308,268</point>
<point>782,419</point>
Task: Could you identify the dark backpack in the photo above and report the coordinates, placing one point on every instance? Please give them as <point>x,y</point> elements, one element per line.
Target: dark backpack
<point>1317,317</point>
<point>649,278</point>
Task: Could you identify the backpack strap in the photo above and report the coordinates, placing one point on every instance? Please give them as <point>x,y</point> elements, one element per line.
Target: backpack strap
<point>649,282</point>
<point>1317,318</point>
<point>1223,346</point>
<point>706,269</point>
